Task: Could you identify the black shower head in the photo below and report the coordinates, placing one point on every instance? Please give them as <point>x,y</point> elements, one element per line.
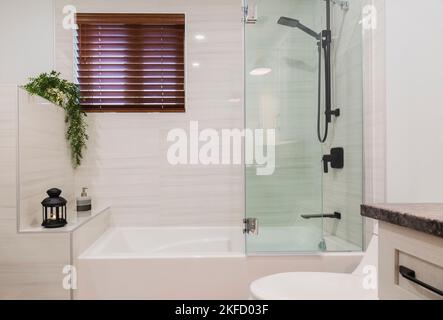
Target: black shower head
<point>289,22</point>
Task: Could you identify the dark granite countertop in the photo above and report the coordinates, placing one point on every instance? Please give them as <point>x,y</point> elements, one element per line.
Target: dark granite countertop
<point>427,218</point>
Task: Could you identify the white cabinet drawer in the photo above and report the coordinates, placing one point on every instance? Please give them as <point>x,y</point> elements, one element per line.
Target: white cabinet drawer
<point>420,258</point>
<point>419,277</point>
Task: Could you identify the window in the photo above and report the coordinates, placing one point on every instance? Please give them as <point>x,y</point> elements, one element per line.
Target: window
<point>131,62</point>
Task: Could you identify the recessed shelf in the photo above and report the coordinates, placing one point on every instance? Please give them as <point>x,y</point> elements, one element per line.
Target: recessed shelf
<point>75,220</point>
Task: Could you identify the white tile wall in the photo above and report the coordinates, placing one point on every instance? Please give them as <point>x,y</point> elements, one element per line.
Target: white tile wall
<point>343,189</point>
<point>30,265</point>
<point>375,107</point>
<point>374,114</point>
<point>349,96</point>
<point>44,156</point>
<point>27,30</point>
<point>8,144</point>
<point>126,164</point>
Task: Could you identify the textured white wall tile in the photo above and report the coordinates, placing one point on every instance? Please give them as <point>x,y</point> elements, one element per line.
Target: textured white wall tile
<point>374,113</point>
<point>30,265</point>
<point>8,143</point>
<point>27,29</point>
<point>343,189</point>
<point>126,163</point>
<point>44,156</point>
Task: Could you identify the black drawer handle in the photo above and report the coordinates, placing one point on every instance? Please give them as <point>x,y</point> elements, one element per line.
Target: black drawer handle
<point>410,275</point>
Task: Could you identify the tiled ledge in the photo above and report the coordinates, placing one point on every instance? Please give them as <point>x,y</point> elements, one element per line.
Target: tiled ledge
<point>75,221</point>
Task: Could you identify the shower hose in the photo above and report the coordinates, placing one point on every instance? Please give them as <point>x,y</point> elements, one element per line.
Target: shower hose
<point>321,138</point>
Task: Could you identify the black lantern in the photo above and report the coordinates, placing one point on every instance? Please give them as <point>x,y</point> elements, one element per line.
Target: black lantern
<point>54,209</point>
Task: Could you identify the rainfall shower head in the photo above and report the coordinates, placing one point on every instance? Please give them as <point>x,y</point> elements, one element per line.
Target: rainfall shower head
<point>293,23</point>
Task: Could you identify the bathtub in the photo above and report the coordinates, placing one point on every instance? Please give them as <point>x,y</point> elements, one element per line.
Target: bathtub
<point>185,263</point>
<point>170,242</point>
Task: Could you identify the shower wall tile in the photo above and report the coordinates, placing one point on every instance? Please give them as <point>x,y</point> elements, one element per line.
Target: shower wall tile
<point>375,108</point>
<point>44,156</point>
<point>126,165</point>
<point>343,189</point>
<point>375,114</point>
<point>8,137</point>
<point>30,265</point>
<point>348,73</point>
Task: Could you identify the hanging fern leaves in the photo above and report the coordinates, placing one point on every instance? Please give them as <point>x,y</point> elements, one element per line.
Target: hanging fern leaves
<point>66,95</point>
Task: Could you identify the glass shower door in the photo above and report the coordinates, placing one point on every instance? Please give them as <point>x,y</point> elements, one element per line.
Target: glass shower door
<point>281,77</point>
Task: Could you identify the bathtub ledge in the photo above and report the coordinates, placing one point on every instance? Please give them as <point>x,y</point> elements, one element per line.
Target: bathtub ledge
<point>75,221</point>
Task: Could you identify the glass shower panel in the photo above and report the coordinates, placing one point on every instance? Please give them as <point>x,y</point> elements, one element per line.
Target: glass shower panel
<point>281,68</point>
<point>281,93</point>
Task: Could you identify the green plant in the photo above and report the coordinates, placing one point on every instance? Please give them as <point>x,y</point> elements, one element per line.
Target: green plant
<point>66,95</point>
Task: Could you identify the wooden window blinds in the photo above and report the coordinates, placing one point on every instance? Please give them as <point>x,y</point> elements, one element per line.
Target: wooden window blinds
<point>131,62</point>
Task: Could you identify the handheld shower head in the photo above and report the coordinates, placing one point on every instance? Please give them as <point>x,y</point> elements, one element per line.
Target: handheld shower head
<point>293,23</point>
<point>289,22</point>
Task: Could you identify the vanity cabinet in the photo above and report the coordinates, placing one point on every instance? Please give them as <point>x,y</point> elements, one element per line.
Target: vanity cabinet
<point>409,261</point>
<point>410,257</point>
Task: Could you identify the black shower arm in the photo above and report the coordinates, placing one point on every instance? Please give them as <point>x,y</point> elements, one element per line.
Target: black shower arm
<point>309,31</point>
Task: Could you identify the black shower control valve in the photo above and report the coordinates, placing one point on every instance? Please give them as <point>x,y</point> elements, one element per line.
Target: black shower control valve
<point>336,159</point>
<point>335,113</point>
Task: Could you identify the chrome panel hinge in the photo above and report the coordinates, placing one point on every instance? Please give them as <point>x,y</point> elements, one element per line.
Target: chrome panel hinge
<point>251,226</point>
<point>249,14</point>
<point>244,13</point>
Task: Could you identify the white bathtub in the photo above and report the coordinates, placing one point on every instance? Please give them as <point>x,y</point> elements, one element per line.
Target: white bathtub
<point>168,242</point>
<point>185,263</point>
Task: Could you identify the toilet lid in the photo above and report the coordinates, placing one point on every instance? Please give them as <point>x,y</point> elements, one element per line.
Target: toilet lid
<point>311,286</point>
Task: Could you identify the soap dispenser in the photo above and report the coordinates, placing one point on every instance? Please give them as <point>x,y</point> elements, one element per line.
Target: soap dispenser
<point>84,201</point>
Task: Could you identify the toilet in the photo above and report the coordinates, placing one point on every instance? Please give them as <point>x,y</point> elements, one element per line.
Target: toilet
<point>318,285</point>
